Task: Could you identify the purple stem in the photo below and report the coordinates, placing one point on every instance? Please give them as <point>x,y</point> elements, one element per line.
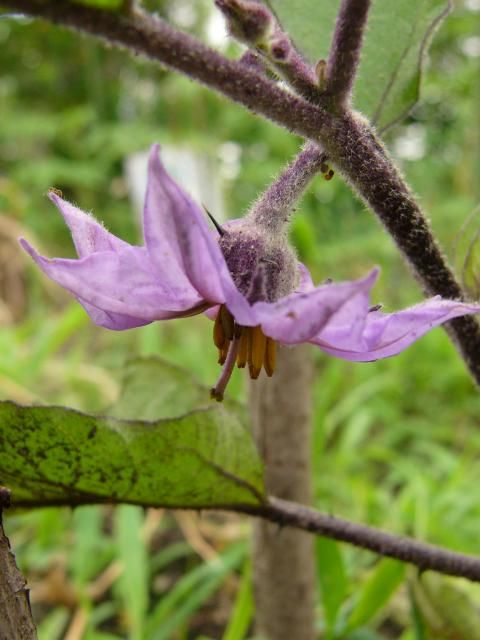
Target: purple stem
<point>273,208</point>
<point>286,60</point>
<point>148,35</point>
<point>272,43</point>
<point>345,49</point>
<point>253,61</point>
<point>424,556</point>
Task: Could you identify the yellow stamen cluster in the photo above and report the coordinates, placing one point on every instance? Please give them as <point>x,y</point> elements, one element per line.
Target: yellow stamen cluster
<point>254,348</point>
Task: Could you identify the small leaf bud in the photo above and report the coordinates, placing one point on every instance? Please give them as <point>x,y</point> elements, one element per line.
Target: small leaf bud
<point>248,21</point>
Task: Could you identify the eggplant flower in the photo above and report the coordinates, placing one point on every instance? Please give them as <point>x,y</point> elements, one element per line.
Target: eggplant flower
<point>250,283</point>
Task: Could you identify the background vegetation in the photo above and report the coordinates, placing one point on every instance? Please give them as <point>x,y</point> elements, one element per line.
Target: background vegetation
<point>396,442</point>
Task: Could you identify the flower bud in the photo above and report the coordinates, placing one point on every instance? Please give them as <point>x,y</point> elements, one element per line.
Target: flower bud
<point>248,21</point>
<point>280,49</point>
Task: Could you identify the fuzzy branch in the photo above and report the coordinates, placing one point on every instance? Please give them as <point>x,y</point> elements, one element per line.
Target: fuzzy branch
<point>275,203</point>
<point>287,513</point>
<point>255,25</point>
<point>350,143</point>
<point>150,36</point>
<point>344,53</point>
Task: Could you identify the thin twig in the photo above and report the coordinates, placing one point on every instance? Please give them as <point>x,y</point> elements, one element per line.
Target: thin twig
<point>424,556</point>
<point>285,513</point>
<point>345,49</point>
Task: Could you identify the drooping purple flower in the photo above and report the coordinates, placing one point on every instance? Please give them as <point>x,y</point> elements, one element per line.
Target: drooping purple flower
<point>250,283</point>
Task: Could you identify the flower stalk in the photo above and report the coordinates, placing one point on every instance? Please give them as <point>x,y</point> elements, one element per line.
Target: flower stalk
<point>272,210</point>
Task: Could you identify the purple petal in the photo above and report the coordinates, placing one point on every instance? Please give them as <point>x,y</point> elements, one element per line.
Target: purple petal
<point>236,303</point>
<point>212,312</point>
<point>88,235</point>
<point>177,234</point>
<point>305,283</point>
<point>114,321</point>
<point>120,282</point>
<point>383,335</point>
<point>248,314</point>
<point>301,316</point>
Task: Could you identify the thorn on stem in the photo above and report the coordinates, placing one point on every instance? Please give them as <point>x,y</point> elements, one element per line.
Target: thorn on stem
<point>217,226</point>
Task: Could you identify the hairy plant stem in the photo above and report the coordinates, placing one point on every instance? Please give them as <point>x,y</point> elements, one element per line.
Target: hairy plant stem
<point>148,35</point>
<point>350,143</point>
<point>345,50</point>
<point>16,622</point>
<point>274,45</point>
<point>283,559</point>
<point>357,152</point>
<point>272,210</point>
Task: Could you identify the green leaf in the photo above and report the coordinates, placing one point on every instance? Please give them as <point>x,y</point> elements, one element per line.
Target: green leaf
<point>154,388</point>
<point>332,577</point>
<point>169,554</point>
<point>364,634</point>
<point>418,631</point>
<point>396,39</point>
<point>53,624</point>
<point>376,592</point>
<point>204,458</point>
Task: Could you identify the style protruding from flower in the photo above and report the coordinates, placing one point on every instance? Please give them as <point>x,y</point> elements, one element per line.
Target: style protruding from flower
<point>246,279</point>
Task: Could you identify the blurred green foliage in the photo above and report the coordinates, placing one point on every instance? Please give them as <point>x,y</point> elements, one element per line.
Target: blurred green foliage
<point>396,442</point>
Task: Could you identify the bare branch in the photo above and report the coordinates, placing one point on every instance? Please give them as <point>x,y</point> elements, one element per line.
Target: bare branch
<point>424,556</point>
<point>345,49</point>
<point>285,513</point>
